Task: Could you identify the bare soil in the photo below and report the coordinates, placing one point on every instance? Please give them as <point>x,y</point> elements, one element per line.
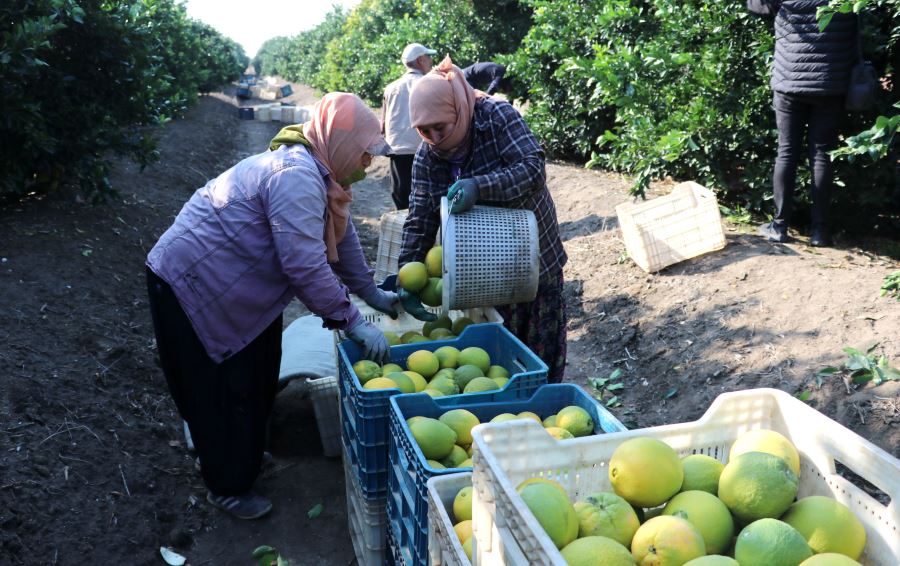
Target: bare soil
<point>92,459</point>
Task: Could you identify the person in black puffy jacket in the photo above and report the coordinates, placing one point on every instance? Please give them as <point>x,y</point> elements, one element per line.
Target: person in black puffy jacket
<point>810,78</point>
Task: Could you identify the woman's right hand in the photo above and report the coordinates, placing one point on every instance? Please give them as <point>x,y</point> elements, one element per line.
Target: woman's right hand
<point>413,305</point>
<point>374,345</point>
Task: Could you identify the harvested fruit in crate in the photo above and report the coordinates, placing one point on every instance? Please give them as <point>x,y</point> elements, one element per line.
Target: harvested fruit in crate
<point>424,279</point>
<point>694,505</point>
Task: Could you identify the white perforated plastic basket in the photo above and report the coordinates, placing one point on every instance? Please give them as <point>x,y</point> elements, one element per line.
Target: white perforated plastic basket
<point>444,547</point>
<point>508,453</point>
<point>323,393</point>
<point>666,230</point>
<point>390,239</point>
<point>491,256</point>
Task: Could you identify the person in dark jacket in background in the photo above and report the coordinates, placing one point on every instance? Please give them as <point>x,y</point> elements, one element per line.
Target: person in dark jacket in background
<point>486,76</point>
<point>810,78</point>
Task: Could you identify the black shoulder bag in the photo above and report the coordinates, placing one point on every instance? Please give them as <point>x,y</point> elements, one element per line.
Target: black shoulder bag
<point>863,80</point>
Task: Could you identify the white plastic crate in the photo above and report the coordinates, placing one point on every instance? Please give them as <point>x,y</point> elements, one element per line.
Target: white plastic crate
<point>390,238</point>
<point>666,230</point>
<point>366,520</point>
<point>324,395</point>
<point>508,453</point>
<point>262,113</point>
<point>287,114</point>
<point>491,256</point>
<point>444,547</point>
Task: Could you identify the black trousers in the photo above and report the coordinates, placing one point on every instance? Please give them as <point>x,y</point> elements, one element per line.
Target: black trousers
<point>401,179</point>
<point>226,405</point>
<point>820,118</point>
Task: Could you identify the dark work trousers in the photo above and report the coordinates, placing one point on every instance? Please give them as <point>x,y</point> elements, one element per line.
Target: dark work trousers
<point>226,405</point>
<point>820,118</point>
<point>401,179</point>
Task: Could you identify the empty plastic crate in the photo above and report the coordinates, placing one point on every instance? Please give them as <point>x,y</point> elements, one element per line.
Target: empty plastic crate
<point>245,113</point>
<point>285,90</point>
<point>324,396</point>
<point>366,521</point>
<point>509,453</point>
<point>390,239</point>
<point>243,92</point>
<point>366,413</point>
<point>409,472</point>
<point>666,230</point>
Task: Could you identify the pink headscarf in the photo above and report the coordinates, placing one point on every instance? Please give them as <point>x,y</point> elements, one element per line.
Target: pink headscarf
<point>341,128</point>
<point>443,96</point>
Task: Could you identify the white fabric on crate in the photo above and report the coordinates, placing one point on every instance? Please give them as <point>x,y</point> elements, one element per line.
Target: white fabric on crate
<point>307,350</point>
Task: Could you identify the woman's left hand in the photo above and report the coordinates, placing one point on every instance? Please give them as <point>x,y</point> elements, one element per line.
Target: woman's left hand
<point>462,195</point>
<point>383,301</point>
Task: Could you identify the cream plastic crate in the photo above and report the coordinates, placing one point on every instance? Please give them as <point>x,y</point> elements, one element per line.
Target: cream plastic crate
<point>324,395</point>
<point>491,256</point>
<point>366,521</point>
<point>262,113</point>
<point>508,453</point>
<point>666,230</point>
<point>275,112</point>
<point>390,238</point>
<point>444,547</point>
<point>287,114</point>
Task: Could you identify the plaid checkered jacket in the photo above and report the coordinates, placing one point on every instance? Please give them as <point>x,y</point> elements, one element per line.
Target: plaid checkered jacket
<point>508,164</point>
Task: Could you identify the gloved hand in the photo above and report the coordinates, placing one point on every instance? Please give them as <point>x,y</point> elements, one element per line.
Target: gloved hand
<point>462,195</point>
<point>374,345</point>
<point>413,305</point>
<point>382,301</point>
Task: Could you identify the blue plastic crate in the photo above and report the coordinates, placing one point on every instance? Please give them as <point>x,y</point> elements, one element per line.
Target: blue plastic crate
<point>392,555</point>
<point>366,413</point>
<point>286,90</point>
<point>243,92</point>
<point>409,473</point>
<point>245,113</point>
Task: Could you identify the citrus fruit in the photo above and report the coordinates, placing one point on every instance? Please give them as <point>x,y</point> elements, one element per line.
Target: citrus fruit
<point>462,422</point>
<point>440,334</point>
<point>477,357</point>
<point>411,420</point>
<point>713,560</point>
<point>413,276</point>
<point>433,393</point>
<point>392,338</point>
<point>432,293</point>
<point>469,450</point>
<point>408,337</point>
<point>500,381</point>
<point>366,370</point>
<point>645,471</point>
<point>390,368</point>
<point>667,541</point>
<point>708,514</point>
<point>463,530</point>
<point>575,420</point>
<point>455,458</point>
<point>466,373</point>
<point>830,559</point>
<point>443,321</point>
<point>462,504</point>
<point>447,356</point>
<point>418,381</point>
<point>446,372</point>
<point>466,464</point>
<point>770,542</point>
<point>497,371</point>
<point>596,551</point>
<point>554,483</point>
<point>435,464</point>
<point>480,384</point>
<point>460,324</point>
<point>553,511</point>
<point>529,415</point>
<point>503,417</point>
<point>549,421</point>
<point>827,525</point>
<point>434,261</point>
<point>559,433</point>
<point>443,384</point>
<point>467,548</point>
<point>701,472</point>
<point>767,441</point>
<point>404,383</point>
<point>608,515</point>
<point>423,362</point>
<point>417,338</point>
<point>756,485</point>
<point>380,383</point>
<point>435,439</point>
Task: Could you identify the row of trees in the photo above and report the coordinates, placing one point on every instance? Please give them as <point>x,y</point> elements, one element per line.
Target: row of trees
<point>83,80</point>
<point>647,87</point>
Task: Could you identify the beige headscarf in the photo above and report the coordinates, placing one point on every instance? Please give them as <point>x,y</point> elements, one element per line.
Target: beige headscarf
<point>443,96</point>
<point>340,129</point>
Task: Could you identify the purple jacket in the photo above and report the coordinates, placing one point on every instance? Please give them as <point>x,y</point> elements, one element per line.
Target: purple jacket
<point>249,242</point>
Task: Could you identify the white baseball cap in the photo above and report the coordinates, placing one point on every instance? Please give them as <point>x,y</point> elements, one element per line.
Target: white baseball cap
<point>413,51</point>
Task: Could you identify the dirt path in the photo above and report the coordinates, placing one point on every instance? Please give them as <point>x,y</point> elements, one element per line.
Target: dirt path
<point>92,462</point>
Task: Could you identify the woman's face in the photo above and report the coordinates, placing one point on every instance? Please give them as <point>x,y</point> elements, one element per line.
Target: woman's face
<point>359,173</point>
<point>435,133</point>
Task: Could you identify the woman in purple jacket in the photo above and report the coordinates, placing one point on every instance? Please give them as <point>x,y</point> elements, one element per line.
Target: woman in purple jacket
<point>273,227</point>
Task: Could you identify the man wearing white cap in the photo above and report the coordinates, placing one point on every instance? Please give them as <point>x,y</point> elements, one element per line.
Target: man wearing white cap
<point>403,138</point>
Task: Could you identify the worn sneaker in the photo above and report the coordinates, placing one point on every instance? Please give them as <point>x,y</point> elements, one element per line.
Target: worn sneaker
<point>820,238</point>
<point>247,506</point>
<point>773,232</point>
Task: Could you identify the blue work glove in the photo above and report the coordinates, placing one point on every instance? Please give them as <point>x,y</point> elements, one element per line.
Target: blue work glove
<point>382,301</point>
<point>462,195</point>
<point>413,305</point>
<point>374,345</point>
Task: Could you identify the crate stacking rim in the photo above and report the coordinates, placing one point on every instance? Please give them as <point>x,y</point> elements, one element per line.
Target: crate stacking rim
<point>491,256</point>
<point>505,455</point>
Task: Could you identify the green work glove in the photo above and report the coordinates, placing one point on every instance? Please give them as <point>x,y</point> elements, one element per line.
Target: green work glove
<point>462,195</point>
<point>413,305</point>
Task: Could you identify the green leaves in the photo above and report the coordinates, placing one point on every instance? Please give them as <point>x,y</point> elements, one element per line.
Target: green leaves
<point>863,367</point>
